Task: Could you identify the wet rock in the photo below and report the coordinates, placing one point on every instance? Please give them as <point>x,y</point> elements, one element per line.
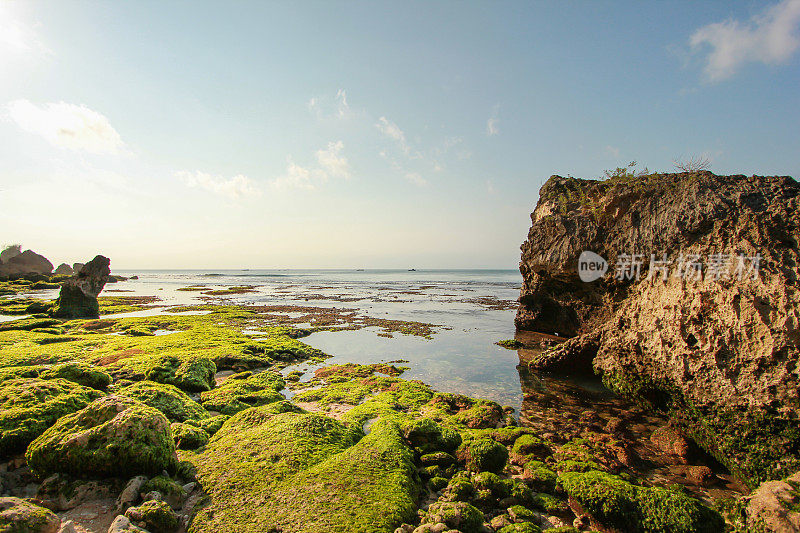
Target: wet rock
<point>130,494</point>
<point>17,515</point>
<point>112,436</point>
<point>772,504</point>
<point>720,352</point>
<point>78,297</point>
<point>61,493</point>
<point>122,524</point>
<point>669,439</point>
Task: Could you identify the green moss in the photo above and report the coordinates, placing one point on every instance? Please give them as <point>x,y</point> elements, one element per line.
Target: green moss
<point>156,516</point>
<point>483,455</point>
<point>548,503</point>
<point>168,487</point>
<point>188,437</point>
<point>617,503</point>
<point>524,527</point>
<point>211,424</point>
<point>27,324</point>
<point>29,406</point>
<point>192,374</point>
<point>20,516</point>
<point>530,445</point>
<point>80,373</point>
<point>170,400</point>
<point>299,472</point>
<point>112,436</point>
<point>457,515</point>
<point>244,390</point>
<point>511,344</point>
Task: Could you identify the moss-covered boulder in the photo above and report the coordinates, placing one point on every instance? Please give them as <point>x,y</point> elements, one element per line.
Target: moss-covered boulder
<point>188,437</point>
<point>80,373</point>
<point>483,454</point>
<point>155,516</point>
<point>20,516</point>
<point>170,400</point>
<point>428,436</point>
<point>112,436</point>
<point>193,374</point>
<point>28,406</point>
<point>244,390</point>
<point>616,503</point>
<point>457,515</point>
<point>267,470</point>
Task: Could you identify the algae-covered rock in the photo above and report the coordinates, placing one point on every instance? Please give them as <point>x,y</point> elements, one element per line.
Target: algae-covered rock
<point>483,454</point>
<point>20,516</point>
<point>78,296</point>
<point>170,400</point>
<point>266,470</point>
<point>112,436</point>
<point>188,437</point>
<point>155,516</point>
<point>524,527</point>
<point>244,390</point>
<point>80,373</point>
<point>195,374</point>
<point>28,406</point>
<point>621,505</point>
<point>457,515</point>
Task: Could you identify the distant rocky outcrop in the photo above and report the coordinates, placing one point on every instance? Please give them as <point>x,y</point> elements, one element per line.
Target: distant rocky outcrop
<point>10,251</point>
<point>64,270</point>
<point>16,264</point>
<point>76,267</point>
<point>78,296</point>
<point>715,342</point>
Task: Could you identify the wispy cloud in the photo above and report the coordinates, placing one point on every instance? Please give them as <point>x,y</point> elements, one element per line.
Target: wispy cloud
<point>492,125</point>
<point>770,37</point>
<point>17,38</point>
<point>416,179</point>
<point>325,106</point>
<point>67,126</point>
<point>331,163</point>
<point>235,187</point>
<point>393,131</point>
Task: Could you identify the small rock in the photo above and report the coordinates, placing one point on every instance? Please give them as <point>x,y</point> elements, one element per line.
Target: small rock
<point>130,493</point>
<point>68,527</point>
<point>121,524</point>
<point>189,487</point>
<point>19,515</point>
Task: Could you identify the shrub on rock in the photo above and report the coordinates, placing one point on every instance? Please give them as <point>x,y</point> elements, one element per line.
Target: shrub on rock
<point>112,436</point>
<point>28,406</point>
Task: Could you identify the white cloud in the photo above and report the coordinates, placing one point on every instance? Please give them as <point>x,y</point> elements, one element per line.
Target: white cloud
<point>67,126</point>
<point>416,179</point>
<point>324,106</point>
<point>393,131</point>
<point>236,187</point>
<point>770,37</point>
<point>332,163</point>
<point>491,127</point>
<point>18,38</point>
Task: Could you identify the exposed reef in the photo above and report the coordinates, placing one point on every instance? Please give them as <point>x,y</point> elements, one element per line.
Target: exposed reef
<point>697,311</point>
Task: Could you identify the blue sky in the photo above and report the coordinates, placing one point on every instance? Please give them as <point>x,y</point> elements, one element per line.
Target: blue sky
<point>365,134</point>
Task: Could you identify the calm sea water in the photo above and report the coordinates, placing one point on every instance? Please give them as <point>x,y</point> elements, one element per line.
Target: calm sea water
<point>461,357</point>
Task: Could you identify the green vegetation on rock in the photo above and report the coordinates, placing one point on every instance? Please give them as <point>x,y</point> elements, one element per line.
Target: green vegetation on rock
<point>244,390</point>
<point>170,400</point>
<point>112,436</point>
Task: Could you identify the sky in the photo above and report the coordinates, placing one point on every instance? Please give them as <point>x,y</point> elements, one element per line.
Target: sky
<point>325,134</point>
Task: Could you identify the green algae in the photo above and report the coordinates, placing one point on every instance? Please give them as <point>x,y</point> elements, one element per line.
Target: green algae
<point>80,373</point>
<point>619,504</point>
<point>155,515</point>
<point>112,436</point>
<point>242,391</point>
<point>266,470</point>
<point>28,406</point>
<point>175,404</point>
<point>483,454</point>
<point>188,437</point>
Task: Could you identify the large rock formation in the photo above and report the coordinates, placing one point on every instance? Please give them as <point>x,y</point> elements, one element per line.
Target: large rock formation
<point>715,343</point>
<point>64,270</point>
<point>16,264</point>
<point>78,297</point>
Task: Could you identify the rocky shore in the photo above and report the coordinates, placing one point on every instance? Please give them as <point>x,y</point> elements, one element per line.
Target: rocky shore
<point>687,304</point>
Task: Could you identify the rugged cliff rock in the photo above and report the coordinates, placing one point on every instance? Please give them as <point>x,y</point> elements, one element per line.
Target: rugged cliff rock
<point>715,341</point>
<point>16,264</point>
<point>78,297</point>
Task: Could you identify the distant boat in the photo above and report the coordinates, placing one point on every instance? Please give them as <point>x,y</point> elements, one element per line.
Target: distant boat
<point>412,269</point>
